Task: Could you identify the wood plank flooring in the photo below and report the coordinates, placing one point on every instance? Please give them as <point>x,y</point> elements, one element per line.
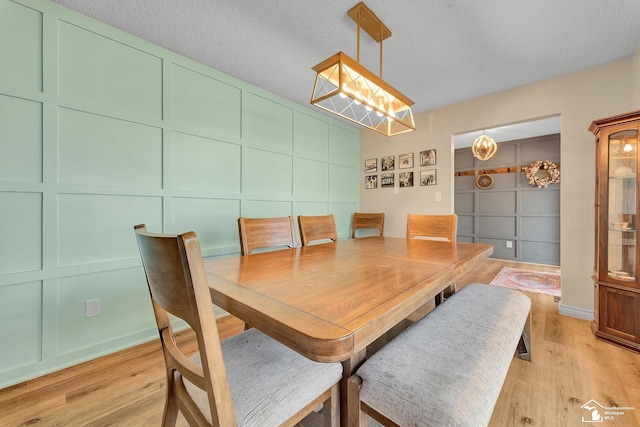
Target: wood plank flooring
<point>570,368</point>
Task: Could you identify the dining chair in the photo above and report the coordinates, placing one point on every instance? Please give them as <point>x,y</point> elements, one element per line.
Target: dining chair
<point>441,227</point>
<point>312,228</point>
<point>436,227</point>
<point>249,379</point>
<point>367,220</point>
<point>260,233</point>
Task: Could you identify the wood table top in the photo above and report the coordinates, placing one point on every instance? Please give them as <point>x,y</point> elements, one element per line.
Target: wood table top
<point>331,300</point>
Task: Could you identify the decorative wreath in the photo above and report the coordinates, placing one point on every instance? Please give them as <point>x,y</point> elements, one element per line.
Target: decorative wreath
<point>542,173</point>
<point>484,181</point>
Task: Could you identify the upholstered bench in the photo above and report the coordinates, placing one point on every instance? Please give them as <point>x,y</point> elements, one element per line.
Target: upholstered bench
<point>449,367</point>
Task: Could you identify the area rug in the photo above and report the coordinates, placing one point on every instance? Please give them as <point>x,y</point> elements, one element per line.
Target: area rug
<point>539,282</point>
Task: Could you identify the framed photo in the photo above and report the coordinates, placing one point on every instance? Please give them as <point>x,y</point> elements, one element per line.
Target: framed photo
<point>428,157</point>
<point>388,163</point>
<point>370,181</point>
<point>405,179</point>
<point>370,165</point>
<point>387,180</point>
<point>405,161</point>
<point>428,177</point>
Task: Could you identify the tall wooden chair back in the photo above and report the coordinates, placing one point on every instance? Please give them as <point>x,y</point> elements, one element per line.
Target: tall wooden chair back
<point>367,220</point>
<point>260,233</point>
<point>272,384</point>
<point>178,285</point>
<point>432,226</point>
<point>322,227</point>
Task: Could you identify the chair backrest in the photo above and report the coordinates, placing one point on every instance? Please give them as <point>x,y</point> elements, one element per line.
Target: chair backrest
<point>317,228</point>
<point>178,285</point>
<point>259,233</point>
<point>432,226</point>
<point>367,220</point>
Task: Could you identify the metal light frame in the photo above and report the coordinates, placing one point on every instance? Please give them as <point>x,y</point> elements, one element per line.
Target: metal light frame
<point>484,147</point>
<point>346,88</point>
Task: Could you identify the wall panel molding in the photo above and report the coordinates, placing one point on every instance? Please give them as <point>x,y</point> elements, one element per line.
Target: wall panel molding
<point>99,131</point>
<point>511,210</point>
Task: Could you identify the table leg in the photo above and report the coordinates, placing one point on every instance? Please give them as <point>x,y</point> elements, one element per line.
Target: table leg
<point>349,367</point>
<point>446,293</point>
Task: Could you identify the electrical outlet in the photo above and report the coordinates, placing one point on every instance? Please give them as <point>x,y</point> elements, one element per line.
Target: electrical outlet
<point>438,196</point>
<point>91,308</point>
<point>509,244</point>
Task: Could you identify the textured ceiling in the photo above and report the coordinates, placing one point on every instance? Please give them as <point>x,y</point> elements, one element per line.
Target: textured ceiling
<point>440,52</point>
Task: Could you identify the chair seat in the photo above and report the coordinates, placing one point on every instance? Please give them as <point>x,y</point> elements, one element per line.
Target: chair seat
<point>269,382</point>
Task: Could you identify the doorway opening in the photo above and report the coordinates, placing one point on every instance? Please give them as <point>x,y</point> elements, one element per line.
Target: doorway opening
<point>494,201</point>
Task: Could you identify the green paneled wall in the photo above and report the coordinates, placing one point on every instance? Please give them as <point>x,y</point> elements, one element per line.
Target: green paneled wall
<point>100,131</point>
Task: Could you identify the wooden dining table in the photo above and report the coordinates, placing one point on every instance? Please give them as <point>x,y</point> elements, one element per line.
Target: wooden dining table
<point>330,301</point>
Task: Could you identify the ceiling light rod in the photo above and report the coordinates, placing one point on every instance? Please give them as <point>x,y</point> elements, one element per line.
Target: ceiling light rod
<point>346,88</point>
<point>371,24</point>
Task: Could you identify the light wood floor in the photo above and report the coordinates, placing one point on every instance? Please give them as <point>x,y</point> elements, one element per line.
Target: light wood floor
<point>569,368</point>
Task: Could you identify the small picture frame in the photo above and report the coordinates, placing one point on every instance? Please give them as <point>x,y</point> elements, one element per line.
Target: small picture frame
<point>405,179</point>
<point>428,157</point>
<point>370,181</point>
<point>387,163</point>
<point>405,161</point>
<point>428,177</point>
<point>387,180</point>
<point>370,165</point>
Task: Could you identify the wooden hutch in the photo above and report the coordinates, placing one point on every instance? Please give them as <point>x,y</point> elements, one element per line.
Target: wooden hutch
<point>617,290</point>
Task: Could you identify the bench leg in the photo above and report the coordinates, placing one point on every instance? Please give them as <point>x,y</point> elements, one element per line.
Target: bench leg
<point>524,346</point>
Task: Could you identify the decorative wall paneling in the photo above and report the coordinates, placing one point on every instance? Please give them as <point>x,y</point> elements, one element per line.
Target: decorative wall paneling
<point>511,210</point>
<point>100,131</point>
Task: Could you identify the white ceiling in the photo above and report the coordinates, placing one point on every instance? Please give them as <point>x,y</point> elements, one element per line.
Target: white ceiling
<point>440,52</point>
<point>512,132</point>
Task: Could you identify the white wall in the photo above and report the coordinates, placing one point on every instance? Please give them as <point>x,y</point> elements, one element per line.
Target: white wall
<point>636,80</point>
<point>578,98</point>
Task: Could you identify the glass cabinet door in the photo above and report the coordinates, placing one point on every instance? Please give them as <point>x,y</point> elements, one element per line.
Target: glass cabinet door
<point>623,161</point>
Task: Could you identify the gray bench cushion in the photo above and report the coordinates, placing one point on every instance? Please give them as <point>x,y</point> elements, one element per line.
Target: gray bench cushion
<point>269,382</point>
<point>448,368</point>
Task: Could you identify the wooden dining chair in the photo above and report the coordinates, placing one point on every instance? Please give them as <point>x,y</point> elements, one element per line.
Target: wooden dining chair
<point>367,220</point>
<point>432,226</point>
<point>260,233</point>
<point>313,228</point>
<point>249,379</point>
<point>437,227</point>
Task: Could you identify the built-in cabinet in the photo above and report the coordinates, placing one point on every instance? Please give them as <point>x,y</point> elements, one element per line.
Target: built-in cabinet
<point>617,289</point>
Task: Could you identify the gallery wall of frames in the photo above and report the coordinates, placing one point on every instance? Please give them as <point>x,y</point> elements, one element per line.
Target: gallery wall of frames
<point>404,168</point>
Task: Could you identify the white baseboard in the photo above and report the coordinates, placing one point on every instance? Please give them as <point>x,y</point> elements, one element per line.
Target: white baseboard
<point>579,313</point>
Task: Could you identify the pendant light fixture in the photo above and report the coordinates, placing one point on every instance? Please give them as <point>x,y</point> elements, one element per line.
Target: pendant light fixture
<point>346,88</point>
<point>484,147</point>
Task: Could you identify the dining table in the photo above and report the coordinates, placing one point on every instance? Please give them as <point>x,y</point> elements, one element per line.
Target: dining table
<point>330,301</point>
